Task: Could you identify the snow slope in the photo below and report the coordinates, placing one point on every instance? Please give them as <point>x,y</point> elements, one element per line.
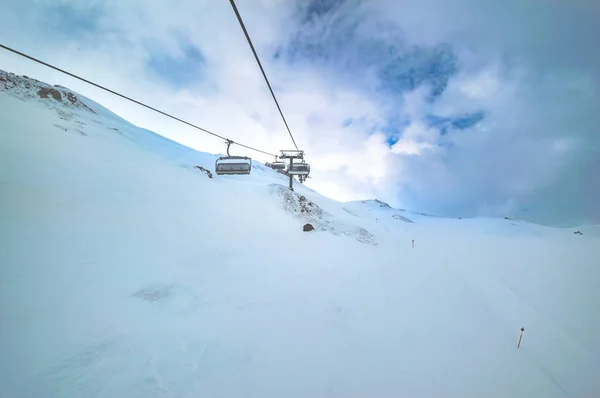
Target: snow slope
<point>126,272</point>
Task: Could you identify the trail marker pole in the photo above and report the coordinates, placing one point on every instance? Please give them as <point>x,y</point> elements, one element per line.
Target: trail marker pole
<point>413,243</point>
<point>520,337</point>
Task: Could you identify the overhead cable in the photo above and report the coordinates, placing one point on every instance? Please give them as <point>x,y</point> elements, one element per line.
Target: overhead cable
<point>131,99</point>
<point>239,17</point>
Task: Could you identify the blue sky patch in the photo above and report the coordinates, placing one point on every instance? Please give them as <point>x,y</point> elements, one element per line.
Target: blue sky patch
<point>73,19</point>
<point>178,71</point>
<point>391,140</point>
<point>406,72</point>
<point>393,130</point>
<point>445,124</point>
<point>347,122</point>
<point>318,8</point>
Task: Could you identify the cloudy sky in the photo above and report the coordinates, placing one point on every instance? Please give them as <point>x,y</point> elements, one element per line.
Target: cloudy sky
<point>452,107</point>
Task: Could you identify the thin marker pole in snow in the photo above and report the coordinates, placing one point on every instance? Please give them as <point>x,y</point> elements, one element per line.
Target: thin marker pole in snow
<point>520,337</point>
<point>413,242</point>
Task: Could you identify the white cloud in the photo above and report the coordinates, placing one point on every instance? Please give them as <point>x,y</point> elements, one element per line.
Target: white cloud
<point>481,86</point>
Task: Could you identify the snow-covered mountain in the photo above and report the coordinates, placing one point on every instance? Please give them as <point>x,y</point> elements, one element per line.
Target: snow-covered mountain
<point>127,271</point>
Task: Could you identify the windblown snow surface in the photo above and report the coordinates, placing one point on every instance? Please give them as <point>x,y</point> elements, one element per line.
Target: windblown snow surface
<point>125,271</point>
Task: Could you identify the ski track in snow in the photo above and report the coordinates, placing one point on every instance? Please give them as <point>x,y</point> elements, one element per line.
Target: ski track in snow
<point>127,272</point>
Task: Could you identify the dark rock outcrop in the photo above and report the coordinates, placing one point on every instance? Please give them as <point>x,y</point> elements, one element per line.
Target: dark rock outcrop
<point>46,92</point>
<point>208,173</point>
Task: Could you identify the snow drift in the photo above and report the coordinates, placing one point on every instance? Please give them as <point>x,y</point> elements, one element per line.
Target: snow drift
<point>126,272</point>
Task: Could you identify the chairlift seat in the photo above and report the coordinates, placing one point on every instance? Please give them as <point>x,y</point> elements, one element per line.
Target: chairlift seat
<point>233,165</point>
<point>277,165</point>
<point>299,169</point>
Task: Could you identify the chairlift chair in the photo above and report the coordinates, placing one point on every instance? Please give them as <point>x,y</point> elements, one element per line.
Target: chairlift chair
<point>278,165</point>
<point>299,169</point>
<point>233,164</point>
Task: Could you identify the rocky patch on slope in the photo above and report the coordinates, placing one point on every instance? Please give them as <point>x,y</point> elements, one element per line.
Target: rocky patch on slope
<point>303,209</point>
<point>206,171</point>
<point>26,88</point>
<point>402,218</point>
